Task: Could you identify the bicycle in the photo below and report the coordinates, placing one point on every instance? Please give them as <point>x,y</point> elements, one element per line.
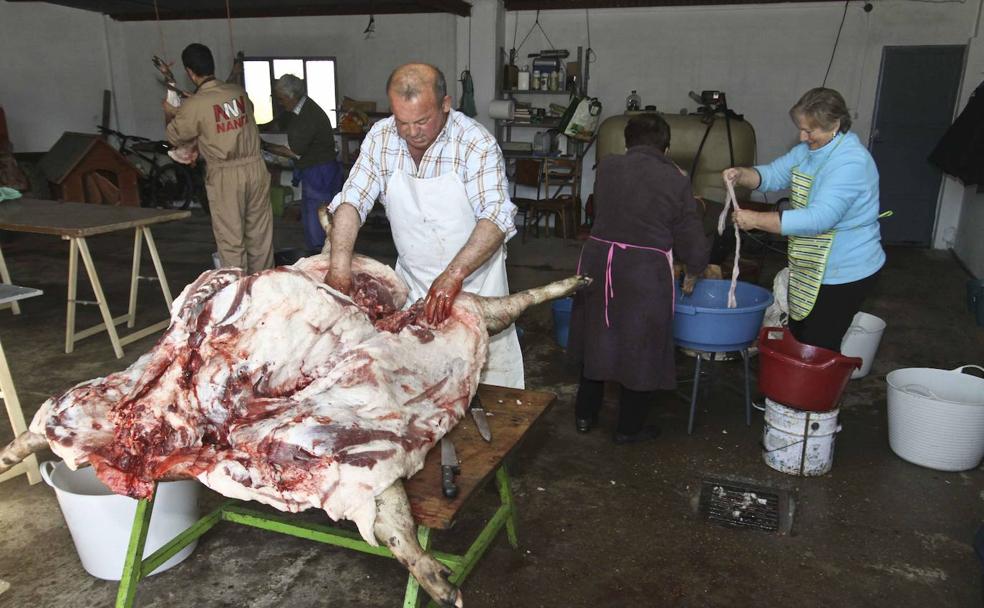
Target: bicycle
<point>169,185</point>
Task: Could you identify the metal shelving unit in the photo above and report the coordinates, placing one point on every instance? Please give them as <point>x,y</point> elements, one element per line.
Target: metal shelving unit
<point>504,128</point>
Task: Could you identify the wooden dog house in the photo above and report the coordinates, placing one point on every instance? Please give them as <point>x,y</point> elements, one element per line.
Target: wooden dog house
<point>83,168</point>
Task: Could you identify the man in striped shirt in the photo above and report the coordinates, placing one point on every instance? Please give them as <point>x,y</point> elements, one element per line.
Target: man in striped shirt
<point>442,179</point>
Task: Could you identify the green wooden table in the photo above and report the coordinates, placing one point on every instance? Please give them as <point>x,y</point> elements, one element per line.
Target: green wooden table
<point>513,413</point>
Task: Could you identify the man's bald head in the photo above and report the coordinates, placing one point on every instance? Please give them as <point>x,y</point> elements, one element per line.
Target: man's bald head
<point>411,80</point>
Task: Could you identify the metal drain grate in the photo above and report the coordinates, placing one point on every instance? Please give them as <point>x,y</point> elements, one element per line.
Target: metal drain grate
<point>738,506</point>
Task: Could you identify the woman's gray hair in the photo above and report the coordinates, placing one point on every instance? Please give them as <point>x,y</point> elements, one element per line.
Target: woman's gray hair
<point>289,85</point>
<point>824,107</point>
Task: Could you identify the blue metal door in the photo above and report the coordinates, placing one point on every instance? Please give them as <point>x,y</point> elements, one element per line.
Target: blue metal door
<point>917,92</point>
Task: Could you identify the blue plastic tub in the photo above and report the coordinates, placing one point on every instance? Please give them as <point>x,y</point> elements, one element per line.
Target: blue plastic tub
<point>704,322</point>
<point>562,319</point>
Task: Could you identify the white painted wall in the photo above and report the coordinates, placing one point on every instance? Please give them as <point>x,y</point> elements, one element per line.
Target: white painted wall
<point>55,62</point>
<point>483,34</point>
<point>763,56</point>
<point>52,72</point>
<point>363,65</point>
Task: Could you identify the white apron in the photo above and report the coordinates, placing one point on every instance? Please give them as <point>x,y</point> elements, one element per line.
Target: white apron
<point>431,220</point>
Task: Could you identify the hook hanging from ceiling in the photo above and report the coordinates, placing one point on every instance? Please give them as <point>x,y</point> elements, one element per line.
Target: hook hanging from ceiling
<point>370,30</point>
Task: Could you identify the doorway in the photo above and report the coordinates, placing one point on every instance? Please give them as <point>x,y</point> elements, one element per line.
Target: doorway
<point>917,91</point>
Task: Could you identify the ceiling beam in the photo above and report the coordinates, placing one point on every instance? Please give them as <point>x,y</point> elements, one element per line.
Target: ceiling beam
<point>275,9</point>
<point>457,7</point>
<point>548,5</point>
<point>310,10</point>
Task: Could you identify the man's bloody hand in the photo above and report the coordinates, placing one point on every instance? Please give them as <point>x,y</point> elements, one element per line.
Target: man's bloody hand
<point>340,280</point>
<point>440,298</point>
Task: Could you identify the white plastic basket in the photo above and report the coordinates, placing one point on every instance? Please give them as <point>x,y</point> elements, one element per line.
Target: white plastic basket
<point>936,417</point>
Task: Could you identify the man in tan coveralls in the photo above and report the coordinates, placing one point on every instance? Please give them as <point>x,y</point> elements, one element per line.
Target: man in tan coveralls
<point>219,119</point>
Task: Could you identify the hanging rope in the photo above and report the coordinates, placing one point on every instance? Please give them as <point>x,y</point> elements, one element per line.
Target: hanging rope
<point>728,202</point>
<point>589,55</point>
<point>515,29</point>
<point>232,47</point>
<point>160,30</point>
<point>536,24</point>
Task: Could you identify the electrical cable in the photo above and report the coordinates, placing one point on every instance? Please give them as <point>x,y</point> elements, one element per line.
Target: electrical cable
<point>864,57</point>
<point>589,55</point>
<point>836,42</point>
<point>469,41</point>
<point>763,243</point>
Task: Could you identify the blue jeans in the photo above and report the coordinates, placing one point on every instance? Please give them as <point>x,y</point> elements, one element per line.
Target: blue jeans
<point>319,184</point>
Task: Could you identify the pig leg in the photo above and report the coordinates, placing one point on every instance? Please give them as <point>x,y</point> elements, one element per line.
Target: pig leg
<point>502,312</point>
<point>20,448</point>
<point>395,528</point>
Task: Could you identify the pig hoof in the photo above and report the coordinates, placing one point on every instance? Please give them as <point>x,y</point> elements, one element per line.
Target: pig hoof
<point>454,601</point>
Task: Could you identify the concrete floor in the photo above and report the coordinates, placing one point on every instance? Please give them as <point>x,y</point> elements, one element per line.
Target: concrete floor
<point>600,525</point>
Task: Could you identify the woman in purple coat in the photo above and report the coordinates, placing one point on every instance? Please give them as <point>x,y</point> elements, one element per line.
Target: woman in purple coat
<point>622,324</point>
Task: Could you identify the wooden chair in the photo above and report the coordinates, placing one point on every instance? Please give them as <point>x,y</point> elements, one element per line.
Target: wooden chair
<point>559,175</point>
<point>528,173</point>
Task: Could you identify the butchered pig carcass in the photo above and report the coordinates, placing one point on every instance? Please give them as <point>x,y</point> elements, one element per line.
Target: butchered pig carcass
<point>276,388</point>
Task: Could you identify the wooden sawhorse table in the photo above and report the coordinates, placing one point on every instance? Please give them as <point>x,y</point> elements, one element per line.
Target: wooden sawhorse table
<point>76,221</point>
<point>9,295</point>
<point>513,413</point>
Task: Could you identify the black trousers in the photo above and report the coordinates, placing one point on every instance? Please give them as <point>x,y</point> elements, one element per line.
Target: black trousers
<point>832,314</point>
<point>633,406</point>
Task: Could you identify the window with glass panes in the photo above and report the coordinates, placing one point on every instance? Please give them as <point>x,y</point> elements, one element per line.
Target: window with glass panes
<point>318,74</point>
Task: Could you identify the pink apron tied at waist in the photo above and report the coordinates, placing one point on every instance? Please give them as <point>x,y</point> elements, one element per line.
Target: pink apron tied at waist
<point>609,284</point>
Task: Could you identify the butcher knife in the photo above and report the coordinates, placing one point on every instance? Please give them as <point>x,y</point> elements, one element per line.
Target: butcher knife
<point>449,468</point>
<point>478,413</point>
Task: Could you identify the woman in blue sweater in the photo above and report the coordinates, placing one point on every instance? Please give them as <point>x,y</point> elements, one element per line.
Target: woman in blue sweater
<point>835,249</point>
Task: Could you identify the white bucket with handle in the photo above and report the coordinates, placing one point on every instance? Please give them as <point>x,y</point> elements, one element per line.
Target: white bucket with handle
<point>799,442</point>
<point>861,340</point>
<point>100,521</point>
<point>936,417</point>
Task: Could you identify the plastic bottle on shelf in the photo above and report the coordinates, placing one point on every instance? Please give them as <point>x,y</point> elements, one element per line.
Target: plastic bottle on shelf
<point>523,82</point>
<point>535,82</point>
<point>633,103</point>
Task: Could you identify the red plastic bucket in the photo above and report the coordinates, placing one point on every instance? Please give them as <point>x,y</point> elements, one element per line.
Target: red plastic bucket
<point>801,376</point>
